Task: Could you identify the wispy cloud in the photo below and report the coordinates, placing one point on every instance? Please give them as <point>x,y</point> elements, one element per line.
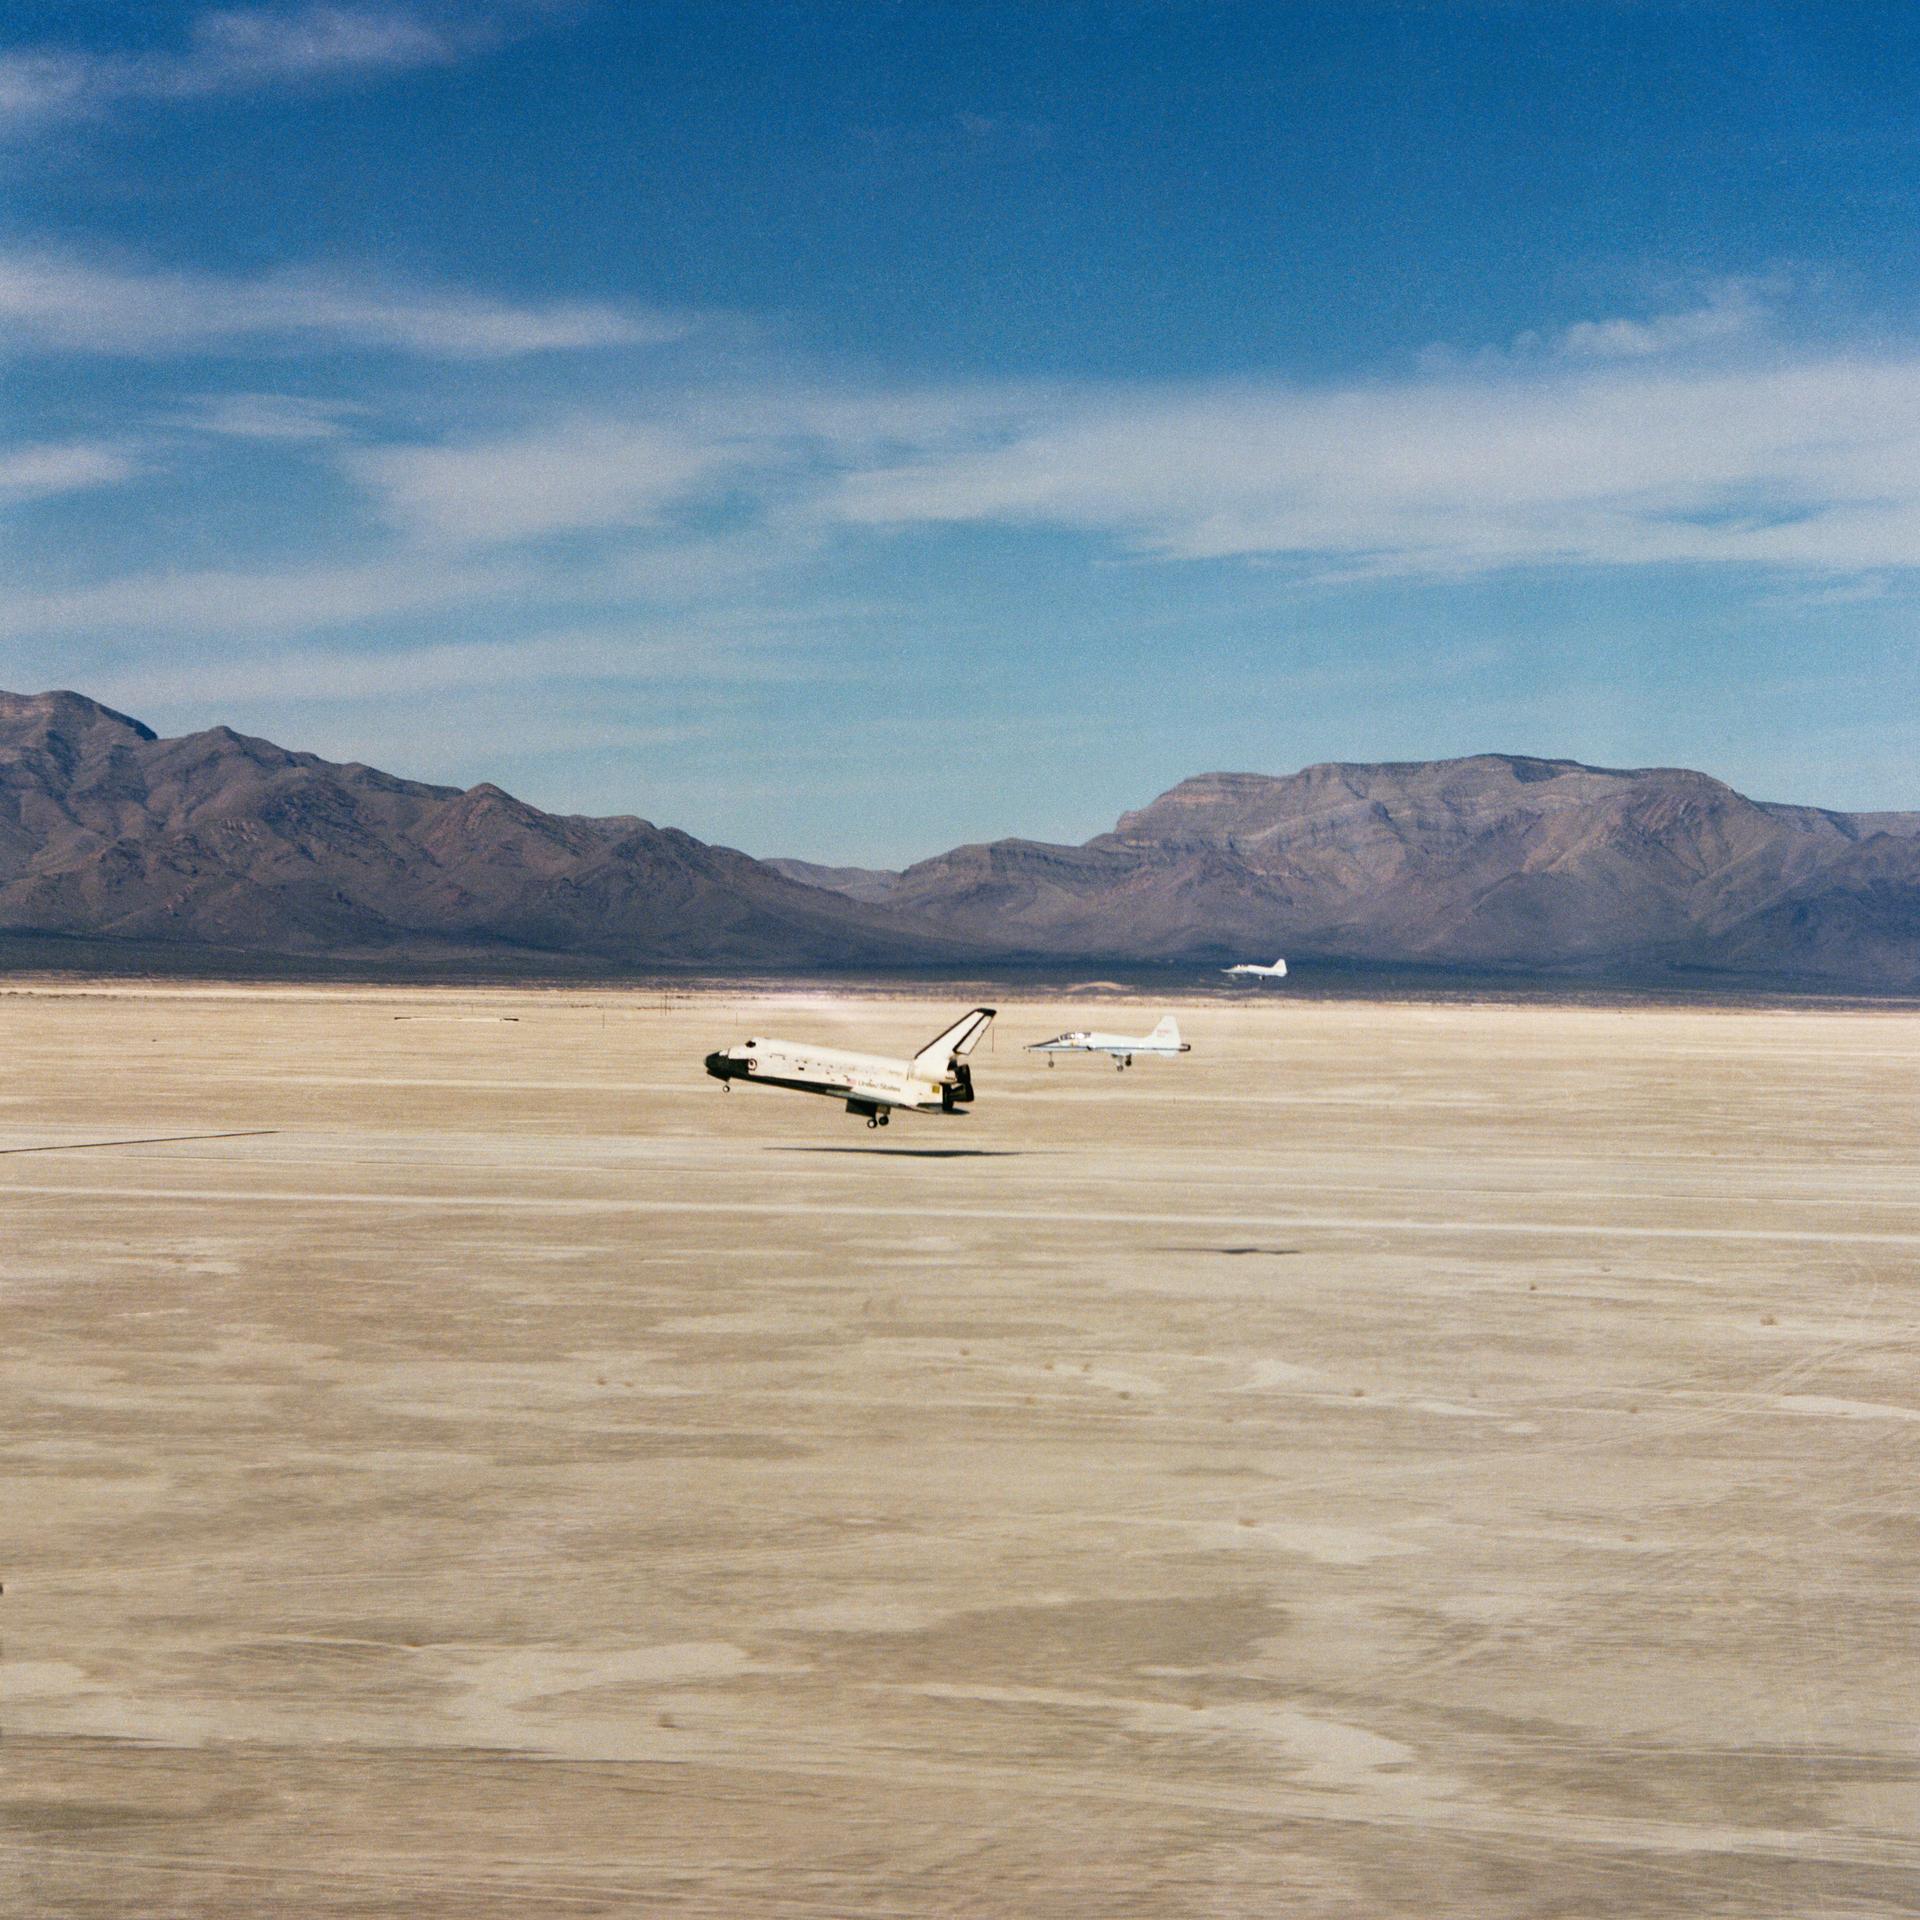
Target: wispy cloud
<point>1734,314</point>
<point>58,304</point>
<point>1732,310</point>
<point>1794,463</point>
<point>1701,440</point>
<point>341,674</point>
<point>243,49</point>
<point>579,474</point>
<point>595,470</point>
<point>217,601</point>
<point>266,416</point>
<point>32,472</point>
<point>1797,464</point>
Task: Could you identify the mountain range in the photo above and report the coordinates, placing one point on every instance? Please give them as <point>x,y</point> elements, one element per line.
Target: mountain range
<point>1492,862</point>
<point>220,841</point>
<point>216,845</point>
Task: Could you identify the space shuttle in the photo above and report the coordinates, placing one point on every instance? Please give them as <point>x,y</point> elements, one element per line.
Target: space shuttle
<point>936,1079</point>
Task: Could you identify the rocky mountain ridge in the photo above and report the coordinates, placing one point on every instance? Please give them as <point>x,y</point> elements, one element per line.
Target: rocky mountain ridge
<point>227,842</point>
<point>217,843</point>
<point>1494,861</point>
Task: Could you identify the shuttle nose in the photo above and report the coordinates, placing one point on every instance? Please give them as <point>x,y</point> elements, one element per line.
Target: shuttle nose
<point>720,1066</point>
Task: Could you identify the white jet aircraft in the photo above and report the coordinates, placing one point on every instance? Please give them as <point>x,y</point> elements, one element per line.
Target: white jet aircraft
<point>1278,971</point>
<point>935,1080</point>
<point>1162,1043</point>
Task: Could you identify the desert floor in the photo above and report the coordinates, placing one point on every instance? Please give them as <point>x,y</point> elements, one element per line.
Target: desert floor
<point>1397,1460</point>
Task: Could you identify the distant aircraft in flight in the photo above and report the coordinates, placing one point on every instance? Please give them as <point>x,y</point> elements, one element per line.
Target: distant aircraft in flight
<point>1278,971</point>
<point>935,1080</point>
<point>1162,1043</point>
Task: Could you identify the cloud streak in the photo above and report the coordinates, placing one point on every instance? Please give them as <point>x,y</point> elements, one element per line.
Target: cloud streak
<point>1732,310</point>
<point>34,472</point>
<point>239,50</point>
<point>773,445</point>
<point>1684,439</point>
<point>1809,463</point>
<point>579,475</point>
<point>50,303</point>
<point>219,601</point>
<point>266,416</point>
<point>1799,465</point>
<point>344,675</point>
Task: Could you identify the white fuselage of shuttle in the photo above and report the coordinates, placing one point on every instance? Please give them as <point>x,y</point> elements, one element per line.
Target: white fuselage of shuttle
<point>936,1080</point>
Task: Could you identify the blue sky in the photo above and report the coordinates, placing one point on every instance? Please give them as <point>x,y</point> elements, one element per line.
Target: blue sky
<point>847,430</point>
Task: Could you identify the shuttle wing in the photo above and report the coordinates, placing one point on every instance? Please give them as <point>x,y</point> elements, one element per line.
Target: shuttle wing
<point>861,1095</point>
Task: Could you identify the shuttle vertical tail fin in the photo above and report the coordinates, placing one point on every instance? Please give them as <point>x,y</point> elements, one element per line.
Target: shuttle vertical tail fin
<point>958,1040</point>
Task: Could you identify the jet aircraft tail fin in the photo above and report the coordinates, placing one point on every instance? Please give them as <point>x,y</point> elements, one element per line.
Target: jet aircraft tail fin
<point>958,1040</point>
<point>1167,1033</point>
<point>1279,969</point>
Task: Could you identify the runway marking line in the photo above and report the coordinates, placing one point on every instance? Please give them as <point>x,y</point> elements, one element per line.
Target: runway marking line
<point>501,1202</point>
